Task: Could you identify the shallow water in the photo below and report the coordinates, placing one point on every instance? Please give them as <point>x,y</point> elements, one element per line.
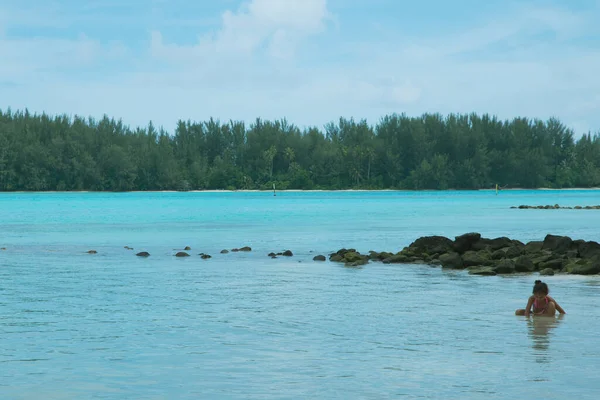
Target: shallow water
<point>242,325</point>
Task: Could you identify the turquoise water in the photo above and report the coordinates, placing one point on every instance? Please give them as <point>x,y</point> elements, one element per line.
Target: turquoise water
<point>243,326</point>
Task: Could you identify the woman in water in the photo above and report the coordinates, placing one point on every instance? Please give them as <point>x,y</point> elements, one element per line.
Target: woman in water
<point>541,303</point>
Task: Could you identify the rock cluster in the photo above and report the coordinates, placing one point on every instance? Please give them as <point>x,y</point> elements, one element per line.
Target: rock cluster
<point>557,207</point>
<point>483,256</point>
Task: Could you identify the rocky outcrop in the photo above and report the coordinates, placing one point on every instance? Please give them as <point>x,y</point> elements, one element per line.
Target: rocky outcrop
<point>556,207</point>
<point>350,257</point>
<point>490,256</point>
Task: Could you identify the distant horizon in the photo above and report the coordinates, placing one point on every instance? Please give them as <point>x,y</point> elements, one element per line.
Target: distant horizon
<point>306,60</point>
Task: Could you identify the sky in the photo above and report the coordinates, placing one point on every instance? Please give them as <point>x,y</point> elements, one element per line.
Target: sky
<point>309,61</point>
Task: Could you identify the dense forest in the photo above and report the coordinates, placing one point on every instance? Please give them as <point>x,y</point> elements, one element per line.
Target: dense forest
<point>431,151</point>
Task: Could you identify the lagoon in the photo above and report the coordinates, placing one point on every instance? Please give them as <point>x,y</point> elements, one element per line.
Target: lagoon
<point>241,325</point>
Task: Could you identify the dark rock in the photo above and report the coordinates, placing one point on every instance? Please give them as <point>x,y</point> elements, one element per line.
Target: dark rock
<point>499,243</point>
<point>451,260</point>
<point>553,264</point>
<point>344,250</point>
<point>287,253</point>
<point>92,252</point>
<point>540,258</point>
<point>336,257</point>
<point>589,249</point>
<point>547,272</point>
<point>271,254</point>
<point>512,252</point>
<point>187,248</point>
<point>143,254</point>
<point>349,256</point>
<point>352,256</point>
<point>524,264</point>
<point>398,259</point>
<point>182,254</point>
<point>224,251</point>
<point>432,244</point>
<point>362,261</point>
<point>319,258</point>
<point>3,248</point>
<point>589,268</point>
<point>205,256</point>
<point>572,254</point>
<point>246,248</point>
<point>473,258</point>
<point>235,250</point>
<point>506,266</point>
<point>464,242</point>
<point>498,254</point>
<point>557,244</point>
<point>380,256</point>
<point>128,248</point>
<point>532,247</point>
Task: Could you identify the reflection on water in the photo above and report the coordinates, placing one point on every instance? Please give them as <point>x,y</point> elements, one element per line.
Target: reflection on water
<point>540,331</point>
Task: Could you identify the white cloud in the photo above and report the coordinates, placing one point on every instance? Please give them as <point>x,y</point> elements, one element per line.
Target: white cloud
<point>276,24</point>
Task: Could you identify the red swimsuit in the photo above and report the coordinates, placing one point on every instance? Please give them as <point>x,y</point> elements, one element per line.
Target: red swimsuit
<point>536,306</point>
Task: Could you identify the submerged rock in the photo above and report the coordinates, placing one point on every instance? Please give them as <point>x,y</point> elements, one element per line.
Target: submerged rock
<point>488,271</point>
<point>92,252</point>
<point>143,254</point>
<point>181,254</point>
<point>319,258</point>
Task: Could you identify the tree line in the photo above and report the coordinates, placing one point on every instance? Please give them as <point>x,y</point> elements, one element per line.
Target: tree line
<point>40,153</point>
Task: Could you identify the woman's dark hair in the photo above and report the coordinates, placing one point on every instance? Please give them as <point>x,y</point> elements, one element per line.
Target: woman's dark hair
<point>540,287</point>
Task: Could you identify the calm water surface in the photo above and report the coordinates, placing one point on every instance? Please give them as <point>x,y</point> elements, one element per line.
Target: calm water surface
<point>244,326</point>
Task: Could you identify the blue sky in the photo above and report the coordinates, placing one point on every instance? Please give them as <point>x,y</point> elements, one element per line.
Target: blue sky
<point>310,61</point>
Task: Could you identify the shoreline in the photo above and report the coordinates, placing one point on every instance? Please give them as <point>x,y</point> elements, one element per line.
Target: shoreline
<point>310,190</point>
